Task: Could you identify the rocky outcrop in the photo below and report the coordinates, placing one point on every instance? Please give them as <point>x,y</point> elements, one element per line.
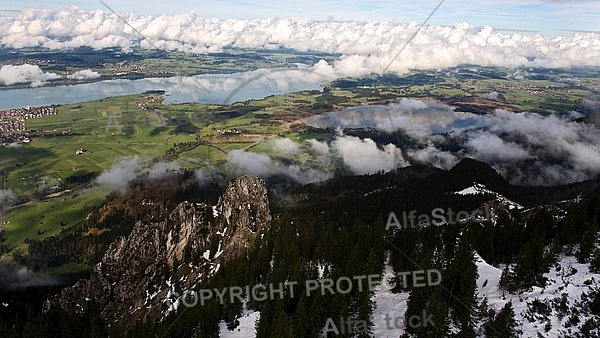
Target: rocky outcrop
<point>135,275</point>
<point>243,219</point>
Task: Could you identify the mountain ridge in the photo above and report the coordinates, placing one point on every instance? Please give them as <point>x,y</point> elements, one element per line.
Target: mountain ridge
<point>201,236</point>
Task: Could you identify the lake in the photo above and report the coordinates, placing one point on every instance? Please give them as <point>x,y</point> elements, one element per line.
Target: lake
<point>218,88</point>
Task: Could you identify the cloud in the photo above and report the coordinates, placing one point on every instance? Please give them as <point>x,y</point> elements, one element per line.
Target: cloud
<point>493,95</point>
<point>533,149</point>
<point>233,87</point>
<point>320,148</point>
<point>7,197</point>
<point>25,73</point>
<point>364,156</point>
<point>530,149</point>
<point>160,169</point>
<point>590,109</point>
<point>285,146</point>
<point>527,148</point>
<point>84,75</point>
<point>415,117</point>
<point>121,173</point>
<point>433,156</point>
<point>365,46</point>
<point>240,162</point>
<point>208,175</point>
<point>13,276</point>
<point>245,162</point>
<point>357,156</point>
<point>490,147</point>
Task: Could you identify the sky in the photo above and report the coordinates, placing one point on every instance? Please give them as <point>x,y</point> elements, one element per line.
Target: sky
<point>551,17</point>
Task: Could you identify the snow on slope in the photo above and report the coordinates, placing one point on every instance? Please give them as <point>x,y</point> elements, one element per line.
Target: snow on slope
<point>247,327</point>
<point>392,304</point>
<point>567,279</point>
<point>478,188</point>
<point>577,280</point>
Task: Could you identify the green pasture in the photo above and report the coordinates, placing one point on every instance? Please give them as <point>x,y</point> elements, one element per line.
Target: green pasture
<point>41,219</point>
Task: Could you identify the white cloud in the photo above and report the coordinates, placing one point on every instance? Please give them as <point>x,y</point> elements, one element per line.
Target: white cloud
<point>285,146</point>
<point>240,162</point>
<point>84,75</point>
<point>490,147</point>
<point>415,117</point>
<point>366,46</point>
<point>493,95</point>
<point>433,156</point>
<point>527,148</point>
<point>122,172</point>
<point>119,175</point>
<point>364,156</point>
<point>355,155</point>
<point>25,73</point>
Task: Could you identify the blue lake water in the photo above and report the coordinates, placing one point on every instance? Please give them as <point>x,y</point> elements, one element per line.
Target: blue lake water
<point>214,88</point>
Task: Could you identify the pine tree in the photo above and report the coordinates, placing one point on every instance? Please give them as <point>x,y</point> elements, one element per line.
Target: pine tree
<point>281,324</point>
<point>264,327</point>
<point>365,310</point>
<point>503,325</point>
<point>595,261</point>
<point>485,242</point>
<point>317,315</point>
<point>300,323</point>
<point>435,306</point>
<point>460,279</point>
<point>532,264</point>
<point>587,243</point>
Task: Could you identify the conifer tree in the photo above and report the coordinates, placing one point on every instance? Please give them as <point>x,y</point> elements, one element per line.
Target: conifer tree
<point>264,327</point>
<point>587,243</point>
<point>532,263</point>
<point>460,279</point>
<point>595,261</point>
<point>301,323</point>
<point>281,324</point>
<point>503,325</point>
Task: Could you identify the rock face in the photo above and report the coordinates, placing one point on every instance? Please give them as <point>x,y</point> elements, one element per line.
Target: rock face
<point>244,209</point>
<point>134,277</point>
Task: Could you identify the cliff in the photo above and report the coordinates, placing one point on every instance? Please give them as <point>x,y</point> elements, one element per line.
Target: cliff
<point>135,275</point>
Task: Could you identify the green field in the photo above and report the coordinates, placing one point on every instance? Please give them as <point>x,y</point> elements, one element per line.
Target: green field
<point>38,170</point>
<point>53,157</point>
<point>48,217</point>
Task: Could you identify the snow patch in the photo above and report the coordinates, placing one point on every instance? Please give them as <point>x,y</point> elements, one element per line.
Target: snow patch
<point>478,188</point>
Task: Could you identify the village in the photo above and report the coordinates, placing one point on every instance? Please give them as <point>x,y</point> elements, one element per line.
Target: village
<point>12,122</point>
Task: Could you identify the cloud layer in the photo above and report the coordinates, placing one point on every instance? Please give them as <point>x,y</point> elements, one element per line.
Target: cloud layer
<point>240,162</point>
<point>366,46</point>
<point>343,154</point>
<point>527,148</point>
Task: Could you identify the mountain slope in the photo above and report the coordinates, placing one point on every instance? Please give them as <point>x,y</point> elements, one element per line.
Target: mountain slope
<point>136,272</point>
